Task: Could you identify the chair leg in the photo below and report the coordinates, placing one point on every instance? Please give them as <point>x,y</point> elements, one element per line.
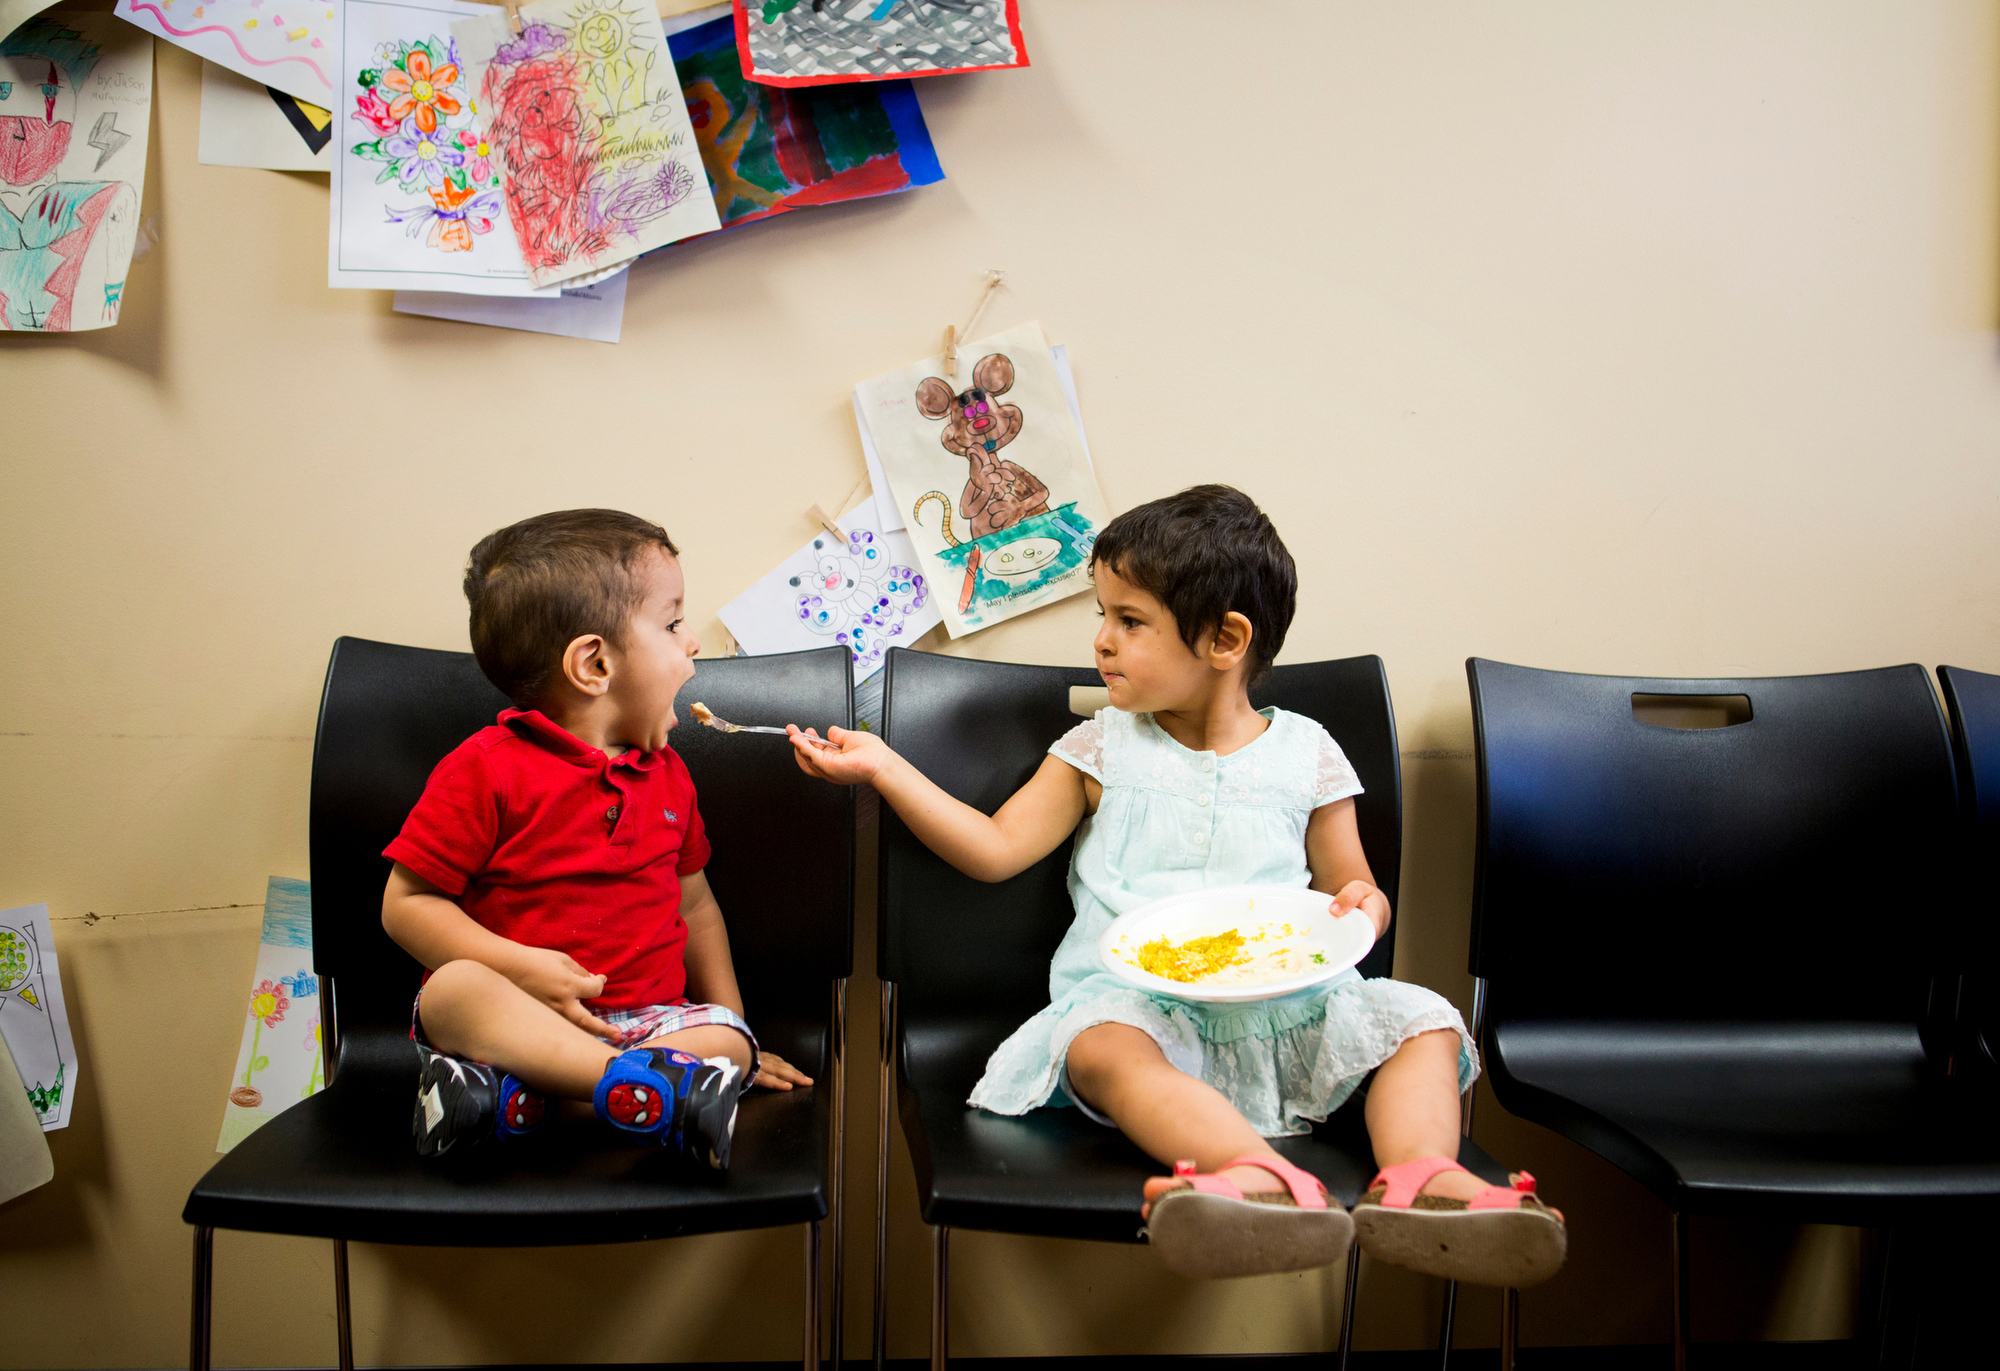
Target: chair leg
<point>1347,1302</point>
<point>1445,1328</point>
<point>1683,1322</point>
<point>343,1317</point>
<point>941,1299</point>
<point>837,1214</point>
<point>811,1358</point>
<point>1510,1327</point>
<point>886,1035</point>
<point>198,1324</point>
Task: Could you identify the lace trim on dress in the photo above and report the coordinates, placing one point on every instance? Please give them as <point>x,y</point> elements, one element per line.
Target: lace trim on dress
<point>1333,774</point>
<point>1083,748</point>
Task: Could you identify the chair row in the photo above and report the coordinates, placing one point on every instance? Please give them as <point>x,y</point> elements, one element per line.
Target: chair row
<point>1732,961</point>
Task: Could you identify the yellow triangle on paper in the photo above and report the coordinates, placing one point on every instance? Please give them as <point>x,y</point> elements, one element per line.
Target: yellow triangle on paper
<point>28,994</point>
<point>315,116</point>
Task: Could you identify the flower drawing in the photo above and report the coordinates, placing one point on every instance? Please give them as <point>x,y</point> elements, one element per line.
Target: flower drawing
<point>480,151</point>
<point>454,215</point>
<point>268,1002</point>
<point>372,110</point>
<point>420,90</point>
<point>422,154</point>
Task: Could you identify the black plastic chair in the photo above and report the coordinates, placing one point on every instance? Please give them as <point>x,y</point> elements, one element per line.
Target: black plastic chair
<point>1682,966</point>
<point>342,1164</point>
<point>964,963</point>
<point>1972,701</point>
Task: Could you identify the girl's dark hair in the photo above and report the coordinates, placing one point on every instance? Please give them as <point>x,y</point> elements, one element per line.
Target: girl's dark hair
<point>1204,553</point>
<point>537,586</point>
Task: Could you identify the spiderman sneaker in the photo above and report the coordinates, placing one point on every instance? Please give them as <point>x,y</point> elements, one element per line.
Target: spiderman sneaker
<point>675,1099</point>
<point>462,1103</point>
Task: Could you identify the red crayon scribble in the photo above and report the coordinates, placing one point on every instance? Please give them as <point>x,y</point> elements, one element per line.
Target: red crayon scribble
<point>542,130</point>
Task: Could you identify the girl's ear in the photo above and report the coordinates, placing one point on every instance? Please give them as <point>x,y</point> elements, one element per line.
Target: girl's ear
<point>586,664</point>
<point>1231,643</point>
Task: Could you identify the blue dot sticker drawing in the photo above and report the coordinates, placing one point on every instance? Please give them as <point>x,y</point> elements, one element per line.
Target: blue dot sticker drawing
<point>33,1017</point>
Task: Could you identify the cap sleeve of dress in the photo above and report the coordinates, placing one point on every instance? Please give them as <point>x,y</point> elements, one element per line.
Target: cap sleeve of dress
<point>1333,774</point>
<point>1083,748</point>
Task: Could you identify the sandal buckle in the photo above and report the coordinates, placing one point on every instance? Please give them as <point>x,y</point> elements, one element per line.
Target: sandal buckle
<point>1524,1182</point>
<point>1184,1168</point>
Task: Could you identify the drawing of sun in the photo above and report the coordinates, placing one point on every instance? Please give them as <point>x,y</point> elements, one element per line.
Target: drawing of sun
<point>618,41</point>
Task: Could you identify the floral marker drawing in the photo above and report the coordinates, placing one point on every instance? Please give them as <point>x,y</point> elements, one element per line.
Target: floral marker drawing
<point>267,1010</point>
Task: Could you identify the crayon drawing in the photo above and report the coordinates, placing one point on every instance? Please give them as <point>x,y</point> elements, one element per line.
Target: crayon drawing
<point>279,1062</point>
<point>991,472</point>
<point>33,1017</point>
<point>76,98</point>
<point>283,43</point>
<point>590,132</point>
<point>813,42</point>
<point>768,150</point>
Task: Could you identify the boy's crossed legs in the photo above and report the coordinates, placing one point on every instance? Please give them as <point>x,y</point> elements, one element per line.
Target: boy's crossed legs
<point>468,1010</point>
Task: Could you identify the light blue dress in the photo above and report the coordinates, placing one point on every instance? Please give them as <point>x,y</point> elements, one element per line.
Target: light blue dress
<point>1170,821</point>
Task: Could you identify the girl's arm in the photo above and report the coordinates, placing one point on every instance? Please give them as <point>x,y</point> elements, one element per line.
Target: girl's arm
<point>711,972</point>
<point>1339,866</point>
<point>1031,825</point>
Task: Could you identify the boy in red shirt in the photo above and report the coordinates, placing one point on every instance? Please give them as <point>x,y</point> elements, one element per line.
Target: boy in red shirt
<point>550,877</point>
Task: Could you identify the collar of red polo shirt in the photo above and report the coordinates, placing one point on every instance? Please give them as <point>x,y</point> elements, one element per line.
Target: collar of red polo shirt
<point>532,723</point>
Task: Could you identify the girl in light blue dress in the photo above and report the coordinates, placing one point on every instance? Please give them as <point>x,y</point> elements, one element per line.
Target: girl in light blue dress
<point>1179,786</point>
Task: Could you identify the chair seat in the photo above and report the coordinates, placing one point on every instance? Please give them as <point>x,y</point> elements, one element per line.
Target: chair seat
<point>1828,1123</point>
<point>342,1165</point>
<point>1054,1172</point>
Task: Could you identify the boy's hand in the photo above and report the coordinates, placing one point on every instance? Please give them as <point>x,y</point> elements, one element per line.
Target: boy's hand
<point>559,982</point>
<point>775,1073</point>
<point>860,757</point>
<point>1366,898</point>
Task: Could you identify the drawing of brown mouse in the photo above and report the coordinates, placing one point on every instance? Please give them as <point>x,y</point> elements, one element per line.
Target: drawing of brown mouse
<point>998,494</point>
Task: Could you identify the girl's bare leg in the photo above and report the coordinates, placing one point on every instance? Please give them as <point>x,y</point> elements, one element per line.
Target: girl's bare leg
<point>470,1010</point>
<point>1413,1110</point>
<point>1121,1072</point>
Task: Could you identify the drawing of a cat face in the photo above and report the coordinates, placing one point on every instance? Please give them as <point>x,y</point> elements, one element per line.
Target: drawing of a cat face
<point>37,115</point>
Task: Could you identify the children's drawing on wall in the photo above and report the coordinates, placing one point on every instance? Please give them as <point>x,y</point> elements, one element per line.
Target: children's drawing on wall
<point>865,591</point>
<point>283,43</point>
<point>416,189</point>
<point>810,42</point>
<point>589,131</point>
<point>245,123</point>
<point>989,468</point>
<point>280,1060</point>
<point>76,99</point>
<point>768,150</point>
<point>33,1017</point>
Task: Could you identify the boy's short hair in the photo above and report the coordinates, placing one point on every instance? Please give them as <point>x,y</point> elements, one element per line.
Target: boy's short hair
<point>537,586</point>
<point>1204,553</point>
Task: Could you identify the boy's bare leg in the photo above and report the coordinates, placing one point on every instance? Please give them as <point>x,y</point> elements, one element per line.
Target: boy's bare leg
<point>1121,1072</point>
<point>470,1010</point>
<point>1413,1110</point>
<point>708,1040</point>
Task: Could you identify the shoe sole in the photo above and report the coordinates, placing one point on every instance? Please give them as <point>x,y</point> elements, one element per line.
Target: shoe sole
<point>1212,1237</point>
<point>1513,1248</point>
<point>449,1106</point>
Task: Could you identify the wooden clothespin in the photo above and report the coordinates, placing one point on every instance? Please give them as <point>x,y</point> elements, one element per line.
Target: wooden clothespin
<point>826,521</point>
<point>994,276</point>
<point>513,14</point>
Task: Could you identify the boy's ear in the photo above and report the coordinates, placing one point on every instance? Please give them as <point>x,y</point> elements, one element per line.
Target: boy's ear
<point>586,664</point>
<point>1231,642</point>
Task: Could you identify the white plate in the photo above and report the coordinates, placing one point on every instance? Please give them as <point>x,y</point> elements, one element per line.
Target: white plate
<point>1343,942</point>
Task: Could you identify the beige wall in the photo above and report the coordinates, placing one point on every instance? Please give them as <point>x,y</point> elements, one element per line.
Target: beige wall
<point>1650,337</point>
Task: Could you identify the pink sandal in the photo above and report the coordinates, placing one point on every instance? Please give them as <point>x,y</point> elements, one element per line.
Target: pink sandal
<point>1501,1236</point>
<point>1209,1229</point>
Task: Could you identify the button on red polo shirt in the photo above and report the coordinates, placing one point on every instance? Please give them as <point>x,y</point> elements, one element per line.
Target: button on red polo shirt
<point>544,839</point>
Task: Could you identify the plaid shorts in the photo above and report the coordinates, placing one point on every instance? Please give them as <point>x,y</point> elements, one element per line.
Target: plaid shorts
<point>636,1026</point>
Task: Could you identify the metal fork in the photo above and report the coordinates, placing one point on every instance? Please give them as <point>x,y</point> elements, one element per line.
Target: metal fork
<point>710,719</point>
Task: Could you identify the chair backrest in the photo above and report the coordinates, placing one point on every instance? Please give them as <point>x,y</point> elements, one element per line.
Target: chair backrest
<point>783,843</point>
<point>1972,701</point>
<point>980,729</point>
<point>1791,866</point>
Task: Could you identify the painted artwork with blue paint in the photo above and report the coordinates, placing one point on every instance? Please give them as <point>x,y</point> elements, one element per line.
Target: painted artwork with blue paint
<point>1018,562</point>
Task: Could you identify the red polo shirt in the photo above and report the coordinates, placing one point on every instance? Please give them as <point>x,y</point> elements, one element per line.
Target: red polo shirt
<point>544,839</point>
